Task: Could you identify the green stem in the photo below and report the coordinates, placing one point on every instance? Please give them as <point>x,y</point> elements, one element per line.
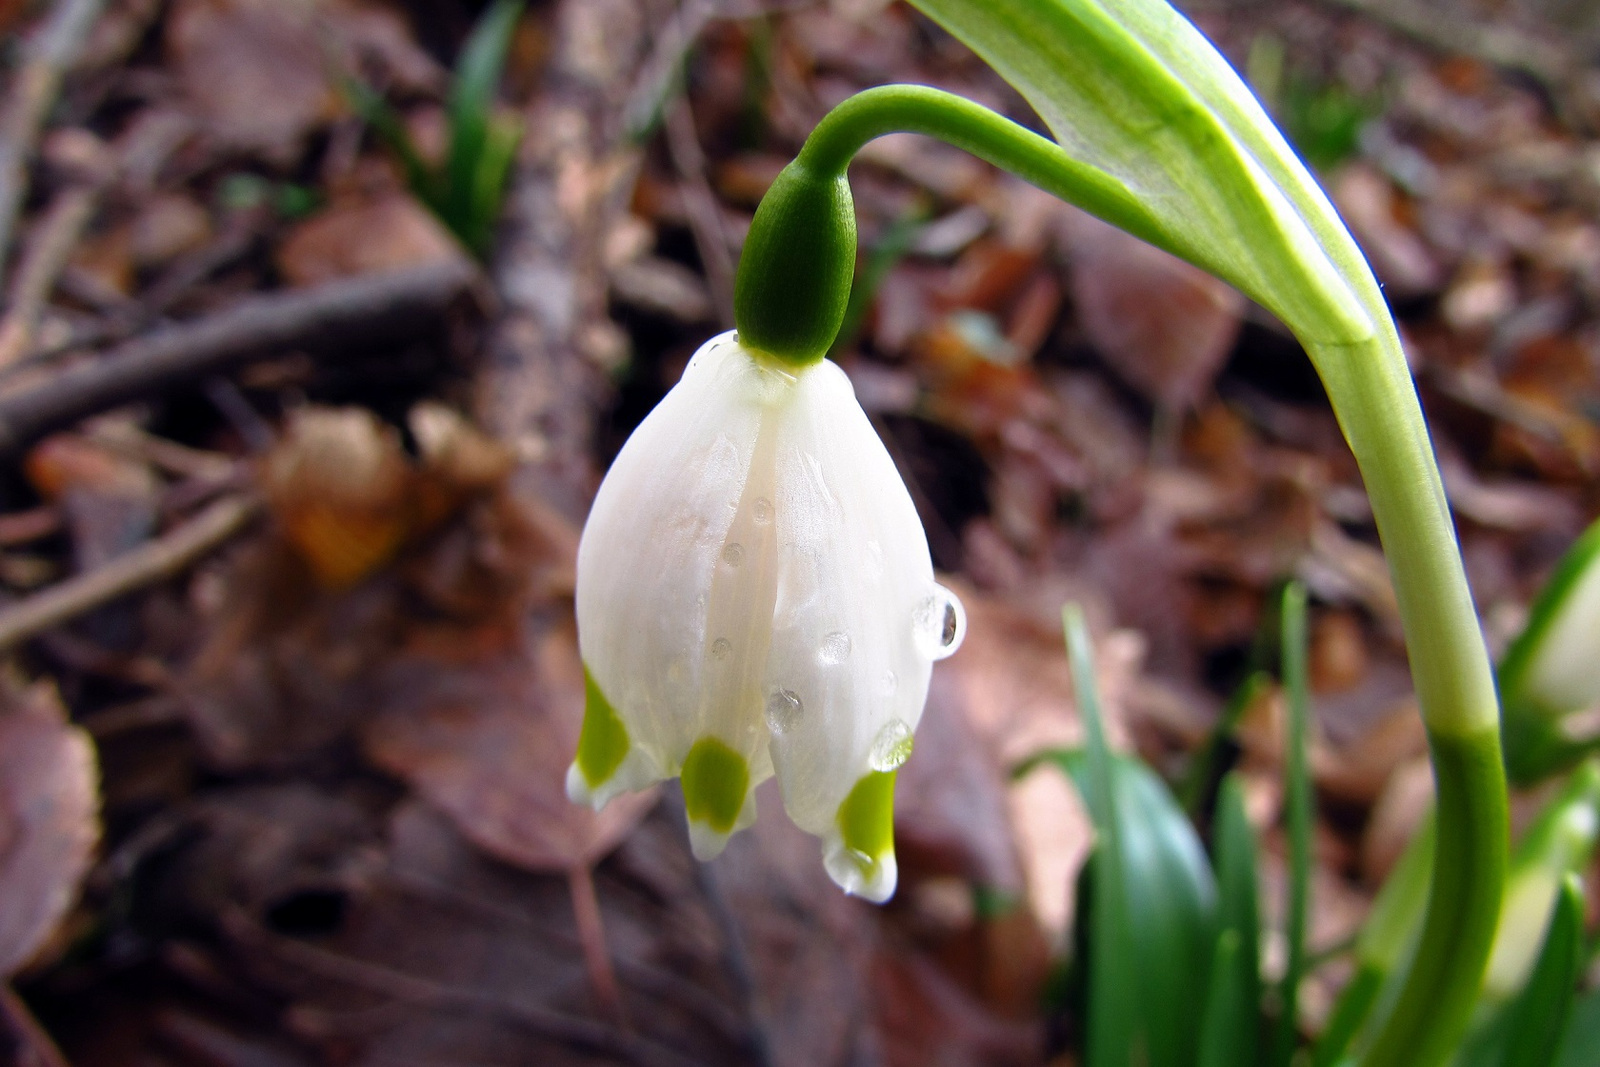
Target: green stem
<point>974,128</point>
<point>1340,317</point>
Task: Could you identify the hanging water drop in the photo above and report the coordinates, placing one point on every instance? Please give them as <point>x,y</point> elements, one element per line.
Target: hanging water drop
<point>891,748</point>
<point>783,710</point>
<point>939,624</point>
<point>835,648</point>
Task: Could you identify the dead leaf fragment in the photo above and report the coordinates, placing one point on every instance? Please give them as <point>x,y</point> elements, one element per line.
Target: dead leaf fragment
<point>254,71</point>
<point>1163,326</point>
<point>339,485</point>
<point>388,233</point>
<point>489,744</point>
<point>49,820</point>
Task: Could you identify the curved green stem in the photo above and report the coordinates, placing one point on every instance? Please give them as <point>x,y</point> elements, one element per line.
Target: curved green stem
<point>1333,305</point>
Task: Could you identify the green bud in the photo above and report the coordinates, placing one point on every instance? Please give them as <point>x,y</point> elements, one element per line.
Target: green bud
<point>797,266</point>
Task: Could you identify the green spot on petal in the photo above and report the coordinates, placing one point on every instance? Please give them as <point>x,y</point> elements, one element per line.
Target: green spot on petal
<point>604,740</point>
<point>715,780</point>
<point>866,818</point>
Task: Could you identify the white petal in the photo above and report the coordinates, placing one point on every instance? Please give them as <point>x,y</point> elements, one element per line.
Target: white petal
<point>674,587</point>
<point>854,573</point>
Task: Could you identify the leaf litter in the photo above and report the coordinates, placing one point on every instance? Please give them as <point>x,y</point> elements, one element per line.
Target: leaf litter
<point>332,749</point>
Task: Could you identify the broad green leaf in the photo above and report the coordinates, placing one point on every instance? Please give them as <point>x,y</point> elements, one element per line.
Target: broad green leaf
<point>1582,1036</point>
<point>1132,89</point>
<point>1298,803</point>
<point>1548,672</point>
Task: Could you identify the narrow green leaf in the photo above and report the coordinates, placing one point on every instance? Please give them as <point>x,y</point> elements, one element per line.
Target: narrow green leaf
<point>1298,804</point>
<point>1227,1034</point>
<point>425,182</point>
<point>1111,1025</point>
<point>1231,1032</point>
<point>471,103</point>
<point>1538,1018</point>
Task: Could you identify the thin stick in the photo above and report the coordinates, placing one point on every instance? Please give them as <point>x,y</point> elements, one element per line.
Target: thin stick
<point>46,257</point>
<point>322,318</point>
<point>54,48</point>
<point>592,939</point>
<point>705,218</point>
<point>152,562</point>
<point>28,1032</point>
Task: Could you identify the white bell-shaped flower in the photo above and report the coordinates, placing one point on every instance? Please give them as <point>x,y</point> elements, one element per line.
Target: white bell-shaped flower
<point>755,596</point>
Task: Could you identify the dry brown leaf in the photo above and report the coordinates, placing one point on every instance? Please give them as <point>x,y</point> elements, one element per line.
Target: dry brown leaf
<point>49,820</point>
<point>1163,326</point>
<point>253,70</point>
<point>489,744</point>
<point>340,487</point>
<point>388,233</point>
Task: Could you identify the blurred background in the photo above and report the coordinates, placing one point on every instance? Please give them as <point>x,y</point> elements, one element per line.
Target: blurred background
<point>320,325</point>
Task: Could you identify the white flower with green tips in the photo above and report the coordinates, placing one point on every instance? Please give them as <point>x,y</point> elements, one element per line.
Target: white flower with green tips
<point>755,597</point>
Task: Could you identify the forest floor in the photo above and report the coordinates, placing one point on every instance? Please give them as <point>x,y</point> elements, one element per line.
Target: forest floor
<point>292,486</point>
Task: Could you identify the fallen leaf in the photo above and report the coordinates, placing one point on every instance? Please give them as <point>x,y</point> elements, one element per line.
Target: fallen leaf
<point>1163,326</point>
<point>388,233</point>
<point>254,71</point>
<point>489,743</point>
<point>49,820</point>
<point>340,487</point>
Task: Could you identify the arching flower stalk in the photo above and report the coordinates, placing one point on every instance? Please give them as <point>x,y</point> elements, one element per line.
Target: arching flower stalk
<point>755,597</point>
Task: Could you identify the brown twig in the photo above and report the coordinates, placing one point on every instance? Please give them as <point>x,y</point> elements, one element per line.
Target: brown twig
<point>53,49</point>
<point>42,264</point>
<point>592,939</point>
<point>321,318</point>
<point>152,562</point>
<point>37,1049</point>
<point>705,217</point>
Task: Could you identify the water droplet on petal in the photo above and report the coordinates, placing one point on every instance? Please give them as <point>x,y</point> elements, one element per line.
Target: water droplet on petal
<point>892,746</point>
<point>761,511</point>
<point>720,648</point>
<point>939,624</point>
<point>783,710</point>
<point>733,554</point>
<point>890,683</point>
<point>835,648</point>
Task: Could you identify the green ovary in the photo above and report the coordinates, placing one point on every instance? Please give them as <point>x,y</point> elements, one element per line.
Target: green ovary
<point>715,781</point>
<point>866,818</point>
<point>604,740</point>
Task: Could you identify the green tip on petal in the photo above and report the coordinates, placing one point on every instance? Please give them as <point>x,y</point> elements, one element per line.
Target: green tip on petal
<point>604,741</point>
<point>861,859</point>
<point>715,781</point>
<point>866,818</point>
